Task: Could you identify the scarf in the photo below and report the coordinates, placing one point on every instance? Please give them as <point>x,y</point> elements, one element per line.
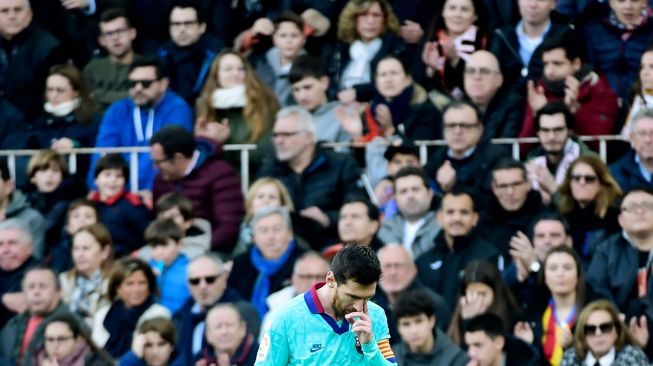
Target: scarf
<point>399,106</point>
<point>62,109</point>
<point>558,87</point>
<point>86,290</point>
<point>465,44</point>
<point>266,268</point>
<point>121,322</point>
<point>233,97</point>
<point>76,357</point>
<point>552,333</point>
<point>628,28</point>
<point>358,70</point>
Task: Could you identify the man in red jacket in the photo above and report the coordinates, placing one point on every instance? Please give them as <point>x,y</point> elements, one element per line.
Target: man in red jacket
<point>197,169</point>
<point>566,78</point>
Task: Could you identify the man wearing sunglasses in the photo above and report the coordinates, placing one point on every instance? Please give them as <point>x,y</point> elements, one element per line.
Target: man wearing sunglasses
<point>547,165</point>
<point>132,121</point>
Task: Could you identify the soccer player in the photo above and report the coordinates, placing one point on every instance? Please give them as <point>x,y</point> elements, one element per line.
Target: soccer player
<point>333,323</point>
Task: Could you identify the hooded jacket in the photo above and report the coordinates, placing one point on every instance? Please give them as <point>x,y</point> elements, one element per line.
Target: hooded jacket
<point>444,352</point>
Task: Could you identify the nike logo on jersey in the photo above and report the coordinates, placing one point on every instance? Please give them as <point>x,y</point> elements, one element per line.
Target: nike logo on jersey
<point>316,347</point>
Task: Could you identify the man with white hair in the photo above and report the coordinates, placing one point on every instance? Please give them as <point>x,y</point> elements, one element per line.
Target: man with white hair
<point>318,180</point>
<point>636,167</point>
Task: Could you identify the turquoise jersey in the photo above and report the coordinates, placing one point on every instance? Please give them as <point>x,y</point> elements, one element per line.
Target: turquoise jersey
<point>302,334</point>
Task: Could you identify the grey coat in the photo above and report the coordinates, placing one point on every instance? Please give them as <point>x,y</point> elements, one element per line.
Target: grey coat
<point>445,352</point>
<point>392,231</point>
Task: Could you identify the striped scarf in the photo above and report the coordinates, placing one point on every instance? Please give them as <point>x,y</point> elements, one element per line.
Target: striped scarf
<point>552,333</point>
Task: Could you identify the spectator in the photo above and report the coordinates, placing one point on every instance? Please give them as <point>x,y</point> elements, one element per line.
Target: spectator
<point>398,107</point>
<point>263,192</point>
<point>566,78</point>
<point>489,345</point>
<point>616,42</point>
<point>455,247</point>
<point>399,278</point>
<point>13,126</point>
<point>465,161</point>
<point>68,344</point>
<point>273,65</point>
<point>415,226</point>
<point>107,77</point>
<point>188,55</point>
<point>197,169</point>
<point>207,280</point>
<point>635,168</point>
<point>518,47</point>
<point>80,213</point>
<point>123,212</point>
<point>310,83</point>
<point>16,256</point>
<point>24,334</point>
<point>132,291</point>
<point>587,200</point>
<point>367,31</point>
<point>132,121</point>
<point>13,204</point>
<point>601,336</point>
<point>358,222</point>
<point>53,191</point>
<point>70,119</point>
<point>548,164</point>
<point>168,263</point>
<point>512,208</point>
<point>196,231</point>
<point>639,98</point>
<point>457,32</point>
<point>482,291</point>
<point>229,343</point>
<point>500,105</point>
<point>619,267</point>
<point>422,342</point>
<point>236,104</point>
<point>267,265</point>
<point>27,53</point>
<point>84,288</point>
<point>318,180</point>
<point>154,345</point>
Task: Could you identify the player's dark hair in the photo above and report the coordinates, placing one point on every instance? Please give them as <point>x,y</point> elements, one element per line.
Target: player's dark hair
<point>489,323</point>
<point>414,303</point>
<point>357,263</point>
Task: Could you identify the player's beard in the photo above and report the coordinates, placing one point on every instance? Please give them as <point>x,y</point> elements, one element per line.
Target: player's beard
<point>338,310</point>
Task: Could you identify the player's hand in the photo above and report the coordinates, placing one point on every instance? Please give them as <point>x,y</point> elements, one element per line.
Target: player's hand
<point>361,324</point>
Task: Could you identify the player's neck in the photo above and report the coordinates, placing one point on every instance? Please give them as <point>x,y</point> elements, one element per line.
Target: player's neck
<point>324,295</point>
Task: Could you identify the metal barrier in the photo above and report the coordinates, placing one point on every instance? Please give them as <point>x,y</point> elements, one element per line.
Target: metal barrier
<point>246,148</point>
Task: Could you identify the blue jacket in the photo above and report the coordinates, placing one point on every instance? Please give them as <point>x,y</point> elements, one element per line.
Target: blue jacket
<point>626,172</point>
<point>619,60</point>
<point>172,283</point>
<point>117,130</point>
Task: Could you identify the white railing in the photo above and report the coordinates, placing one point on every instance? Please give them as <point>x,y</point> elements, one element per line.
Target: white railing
<point>246,148</point>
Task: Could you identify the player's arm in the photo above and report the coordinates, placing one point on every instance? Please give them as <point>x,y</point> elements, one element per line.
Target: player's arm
<point>379,353</point>
<point>274,349</point>
<point>374,336</point>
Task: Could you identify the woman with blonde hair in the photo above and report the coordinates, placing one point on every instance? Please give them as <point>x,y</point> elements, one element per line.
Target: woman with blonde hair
<point>601,337</point>
<point>586,198</point>
<point>235,105</point>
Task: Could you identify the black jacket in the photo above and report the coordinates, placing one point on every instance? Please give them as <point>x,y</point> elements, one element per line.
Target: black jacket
<point>520,353</point>
<point>504,115</point>
<point>441,268</point>
<point>13,127</point>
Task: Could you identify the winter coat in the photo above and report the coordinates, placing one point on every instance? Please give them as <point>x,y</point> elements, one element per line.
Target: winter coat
<point>627,173</point>
<point>48,128</point>
<point>214,189</point>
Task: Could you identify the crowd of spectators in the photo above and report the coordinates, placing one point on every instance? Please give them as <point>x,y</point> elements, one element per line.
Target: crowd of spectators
<point>164,258</point>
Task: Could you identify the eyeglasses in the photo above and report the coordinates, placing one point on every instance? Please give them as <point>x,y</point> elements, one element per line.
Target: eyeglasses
<point>483,71</point>
<point>59,339</point>
<point>187,23</point>
<point>507,186</point>
<point>117,32</point>
<point>145,83</point>
<point>591,330</point>
<point>555,130</point>
<point>286,134</point>
<point>638,207</point>
<point>461,125</point>
<point>582,177</point>
<point>208,279</point>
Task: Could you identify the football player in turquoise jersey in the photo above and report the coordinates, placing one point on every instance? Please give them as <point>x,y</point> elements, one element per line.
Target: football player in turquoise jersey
<point>333,323</point>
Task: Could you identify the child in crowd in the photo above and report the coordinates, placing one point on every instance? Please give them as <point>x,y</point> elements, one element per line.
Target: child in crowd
<point>52,191</point>
<point>153,345</point>
<point>81,213</point>
<point>168,263</point>
<point>122,212</point>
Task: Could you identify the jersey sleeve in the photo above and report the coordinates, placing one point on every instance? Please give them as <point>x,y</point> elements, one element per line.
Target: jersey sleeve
<point>274,349</point>
<point>378,351</point>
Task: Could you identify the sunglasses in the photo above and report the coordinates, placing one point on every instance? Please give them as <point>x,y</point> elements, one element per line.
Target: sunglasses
<point>586,178</point>
<point>145,83</point>
<point>604,327</point>
<point>208,279</point>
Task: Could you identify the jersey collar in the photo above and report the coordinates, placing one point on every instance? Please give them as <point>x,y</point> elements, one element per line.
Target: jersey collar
<point>315,306</point>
